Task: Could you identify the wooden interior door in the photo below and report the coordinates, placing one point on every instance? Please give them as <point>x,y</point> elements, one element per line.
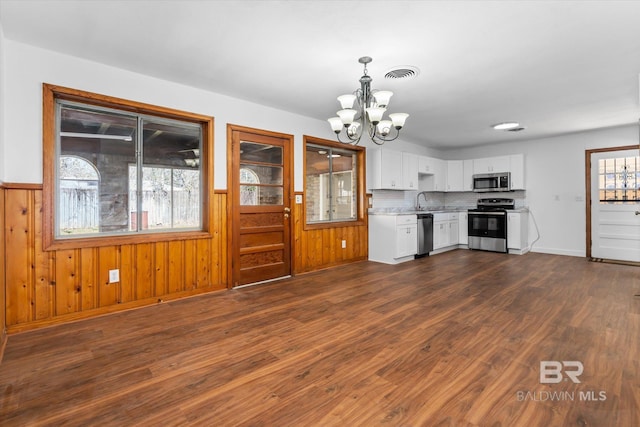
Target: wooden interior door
<point>260,205</point>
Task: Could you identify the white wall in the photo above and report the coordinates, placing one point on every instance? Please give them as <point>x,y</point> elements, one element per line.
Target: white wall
<point>555,182</point>
<point>2,101</point>
<point>28,67</point>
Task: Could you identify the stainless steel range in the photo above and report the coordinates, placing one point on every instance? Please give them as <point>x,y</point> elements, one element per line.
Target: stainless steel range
<point>488,224</point>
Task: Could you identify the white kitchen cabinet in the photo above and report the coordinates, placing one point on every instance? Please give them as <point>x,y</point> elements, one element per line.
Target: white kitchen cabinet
<point>432,174</point>
<point>426,165</point>
<point>440,232</point>
<point>516,167</point>
<point>445,230</point>
<point>467,180</point>
<point>384,169</point>
<point>491,164</point>
<point>393,238</point>
<point>406,240</point>
<point>463,228</point>
<point>410,171</point>
<point>517,232</point>
<point>455,175</point>
<point>453,229</point>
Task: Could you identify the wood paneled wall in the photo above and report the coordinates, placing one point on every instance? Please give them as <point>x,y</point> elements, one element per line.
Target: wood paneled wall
<point>3,325</point>
<point>44,288</point>
<point>56,286</point>
<point>321,248</point>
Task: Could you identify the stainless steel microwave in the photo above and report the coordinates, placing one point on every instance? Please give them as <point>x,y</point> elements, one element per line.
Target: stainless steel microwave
<point>488,182</point>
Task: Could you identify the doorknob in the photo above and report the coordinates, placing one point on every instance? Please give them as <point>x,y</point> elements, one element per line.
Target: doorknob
<point>287,210</point>
<point>637,212</point>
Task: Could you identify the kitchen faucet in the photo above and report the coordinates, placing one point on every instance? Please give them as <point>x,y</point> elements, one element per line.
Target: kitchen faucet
<point>424,194</point>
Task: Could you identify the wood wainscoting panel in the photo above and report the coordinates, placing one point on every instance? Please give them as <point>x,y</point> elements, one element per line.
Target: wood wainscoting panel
<point>3,308</point>
<point>319,248</point>
<point>47,287</point>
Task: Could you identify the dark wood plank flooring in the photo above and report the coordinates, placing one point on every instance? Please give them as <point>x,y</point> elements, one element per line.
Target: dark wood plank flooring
<point>454,339</point>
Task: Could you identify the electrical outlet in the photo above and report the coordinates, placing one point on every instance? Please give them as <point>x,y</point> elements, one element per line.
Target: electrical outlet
<point>344,244</point>
<point>114,276</point>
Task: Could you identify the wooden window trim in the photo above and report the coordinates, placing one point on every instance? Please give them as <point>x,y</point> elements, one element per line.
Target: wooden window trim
<point>50,94</point>
<point>360,153</point>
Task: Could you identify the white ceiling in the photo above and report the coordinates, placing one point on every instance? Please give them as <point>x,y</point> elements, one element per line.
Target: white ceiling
<point>555,66</point>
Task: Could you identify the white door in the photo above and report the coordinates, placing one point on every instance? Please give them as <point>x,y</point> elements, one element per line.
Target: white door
<point>615,206</point>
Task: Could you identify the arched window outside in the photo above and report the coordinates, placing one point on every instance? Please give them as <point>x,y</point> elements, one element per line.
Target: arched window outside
<point>79,207</point>
<point>249,194</point>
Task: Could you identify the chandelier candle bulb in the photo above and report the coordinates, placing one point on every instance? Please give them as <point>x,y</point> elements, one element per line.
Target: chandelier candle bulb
<point>367,116</point>
<point>384,127</point>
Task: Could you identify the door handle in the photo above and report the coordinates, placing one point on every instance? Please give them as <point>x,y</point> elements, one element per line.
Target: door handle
<point>637,212</point>
<point>287,210</point>
<point>286,216</point>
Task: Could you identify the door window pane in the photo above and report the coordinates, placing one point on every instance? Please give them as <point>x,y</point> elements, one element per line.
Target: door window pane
<point>261,179</point>
<point>619,180</point>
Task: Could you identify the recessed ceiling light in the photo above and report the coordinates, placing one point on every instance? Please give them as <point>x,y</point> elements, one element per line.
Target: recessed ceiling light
<point>506,125</point>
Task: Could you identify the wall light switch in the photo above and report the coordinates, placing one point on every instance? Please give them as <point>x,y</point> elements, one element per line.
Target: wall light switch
<point>344,244</point>
<point>298,199</point>
<point>114,276</point>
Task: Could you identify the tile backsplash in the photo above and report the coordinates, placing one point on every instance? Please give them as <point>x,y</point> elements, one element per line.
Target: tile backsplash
<point>388,199</point>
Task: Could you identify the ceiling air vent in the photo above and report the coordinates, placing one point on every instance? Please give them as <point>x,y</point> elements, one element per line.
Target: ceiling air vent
<point>402,72</point>
<point>518,129</point>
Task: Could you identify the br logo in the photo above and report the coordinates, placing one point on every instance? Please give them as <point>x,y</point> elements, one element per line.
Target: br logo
<point>551,371</point>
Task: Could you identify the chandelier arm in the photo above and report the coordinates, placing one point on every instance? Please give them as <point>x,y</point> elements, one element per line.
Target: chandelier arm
<point>384,139</point>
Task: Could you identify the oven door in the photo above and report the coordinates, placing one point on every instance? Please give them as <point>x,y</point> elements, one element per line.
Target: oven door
<point>488,230</point>
<point>488,224</point>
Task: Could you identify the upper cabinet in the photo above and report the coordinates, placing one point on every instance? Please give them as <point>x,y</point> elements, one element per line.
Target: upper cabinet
<point>391,170</point>
<point>455,175</point>
<point>433,174</point>
<point>491,164</point>
<point>427,165</point>
<point>410,171</point>
<point>395,170</point>
<point>467,177</point>
<point>516,167</point>
<point>384,169</point>
<point>513,163</point>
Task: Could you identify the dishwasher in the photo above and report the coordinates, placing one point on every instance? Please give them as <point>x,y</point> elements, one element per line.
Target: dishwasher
<point>425,234</point>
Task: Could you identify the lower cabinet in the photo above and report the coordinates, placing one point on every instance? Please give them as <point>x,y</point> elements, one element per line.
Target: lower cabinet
<point>445,230</point>
<point>518,232</point>
<point>463,228</point>
<point>393,238</point>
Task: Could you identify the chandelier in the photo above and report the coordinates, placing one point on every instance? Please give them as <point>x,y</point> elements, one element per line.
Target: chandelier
<point>367,116</point>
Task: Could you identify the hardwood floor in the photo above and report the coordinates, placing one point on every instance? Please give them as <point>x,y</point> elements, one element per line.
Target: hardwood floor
<point>455,339</point>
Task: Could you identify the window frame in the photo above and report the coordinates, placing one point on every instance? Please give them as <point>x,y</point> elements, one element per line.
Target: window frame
<point>51,93</point>
<point>360,154</point>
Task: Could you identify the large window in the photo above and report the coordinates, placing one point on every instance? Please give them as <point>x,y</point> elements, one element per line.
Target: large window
<point>118,169</point>
<point>333,187</point>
